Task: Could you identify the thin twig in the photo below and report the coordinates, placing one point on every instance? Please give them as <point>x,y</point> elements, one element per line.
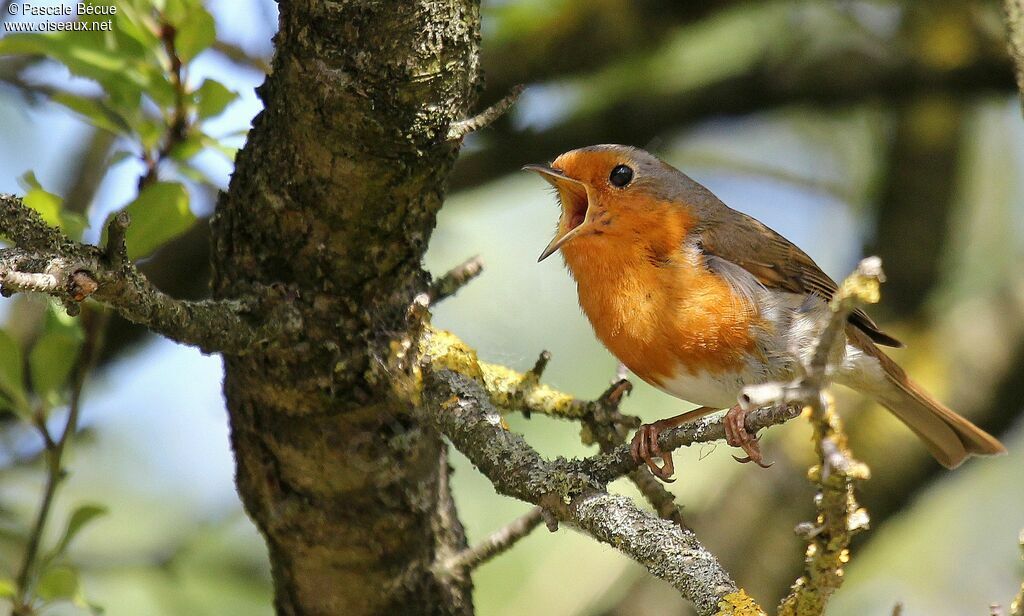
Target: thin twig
<point>116,249</point>
<point>460,129</point>
<point>456,278</point>
<point>839,514</point>
<point>79,270</point>
<point>496,543</point>
<point>178,126</point>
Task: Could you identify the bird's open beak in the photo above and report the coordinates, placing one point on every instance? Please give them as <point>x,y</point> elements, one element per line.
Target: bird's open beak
<point>573,195</point>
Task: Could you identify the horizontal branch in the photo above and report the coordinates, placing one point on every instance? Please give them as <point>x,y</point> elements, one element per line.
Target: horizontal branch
<point>45,260</point>
<point>461,409</point>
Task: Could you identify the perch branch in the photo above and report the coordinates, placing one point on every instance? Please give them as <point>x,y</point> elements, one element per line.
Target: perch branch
<point>44,260</point>
<point>461,409</point>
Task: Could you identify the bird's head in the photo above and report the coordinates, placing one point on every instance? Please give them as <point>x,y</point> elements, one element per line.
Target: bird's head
<point>613,194</point>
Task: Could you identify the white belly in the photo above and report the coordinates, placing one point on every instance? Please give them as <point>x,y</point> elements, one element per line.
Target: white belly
<point>719,391</point>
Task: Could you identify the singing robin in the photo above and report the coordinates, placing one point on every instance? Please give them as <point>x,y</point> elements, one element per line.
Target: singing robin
<point>700,300</point>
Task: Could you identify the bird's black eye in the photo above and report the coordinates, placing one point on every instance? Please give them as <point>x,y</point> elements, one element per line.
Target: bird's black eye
<point>621,176</point>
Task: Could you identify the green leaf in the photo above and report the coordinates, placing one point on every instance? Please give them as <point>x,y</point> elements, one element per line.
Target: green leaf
<point>87,54</point>
<point>188,147</point>
<point>196,175</point>
<point>50,207</point>
<point>28,181</point>
<point>195,33</point>
<point>212,98</point>
<point>46,203</point>
<point>159,214</point>
<point>12,374</point>
<point>53,356</point>
<point>120,156</point>
<point>96,112</point>
<point>150,132</point>
<point>73,223</point>
<point>58,583</point>
<point>82,516</point>
<point>8,589</point>
<point>227,151</point>
<point>137,24</point>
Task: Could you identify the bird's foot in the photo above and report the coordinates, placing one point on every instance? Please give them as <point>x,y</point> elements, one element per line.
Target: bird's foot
<point>737,436</point>
<point>645,445</point>
<point>645,448</point>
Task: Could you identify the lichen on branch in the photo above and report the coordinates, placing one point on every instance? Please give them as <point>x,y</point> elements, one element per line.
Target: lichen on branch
<point>44,260</point>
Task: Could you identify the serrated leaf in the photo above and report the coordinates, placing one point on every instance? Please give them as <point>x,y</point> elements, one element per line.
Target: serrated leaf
<point>81,517</point>
<point>53,355</point>
<point>12,374</point>
<point>159,214</point>
<point>58,583</point>
<point>212,98</point>
<point>194,33</point>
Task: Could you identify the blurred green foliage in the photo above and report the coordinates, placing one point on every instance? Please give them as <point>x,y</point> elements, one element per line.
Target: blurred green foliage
<point>145,99</point>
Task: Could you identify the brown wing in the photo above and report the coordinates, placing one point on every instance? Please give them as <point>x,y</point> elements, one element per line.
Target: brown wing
<point>775,261</point>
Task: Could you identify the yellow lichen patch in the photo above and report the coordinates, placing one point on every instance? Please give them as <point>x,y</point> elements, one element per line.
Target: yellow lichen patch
<point>507,388</point>
<point>511,390</point>
<point>444,350</point>
<point>739,603</point>
<point>862,288</point>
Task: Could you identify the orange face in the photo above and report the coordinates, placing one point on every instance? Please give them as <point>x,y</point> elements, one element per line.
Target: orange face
<point>612,201</point>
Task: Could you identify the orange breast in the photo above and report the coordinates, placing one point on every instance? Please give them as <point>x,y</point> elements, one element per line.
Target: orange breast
<point>660,316</point>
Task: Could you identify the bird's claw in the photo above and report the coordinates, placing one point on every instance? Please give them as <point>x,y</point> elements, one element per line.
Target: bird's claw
<point>645,448</point>
<point>737,436</point>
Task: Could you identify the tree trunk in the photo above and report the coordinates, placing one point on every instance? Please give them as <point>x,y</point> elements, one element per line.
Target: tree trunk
<point>331,205</point>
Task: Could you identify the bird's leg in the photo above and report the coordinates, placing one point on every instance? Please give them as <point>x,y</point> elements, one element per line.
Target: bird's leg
<point>737,436</point>
<point>645,446</point>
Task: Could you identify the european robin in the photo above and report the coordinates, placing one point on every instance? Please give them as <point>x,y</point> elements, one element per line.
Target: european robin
<point>700,300</point>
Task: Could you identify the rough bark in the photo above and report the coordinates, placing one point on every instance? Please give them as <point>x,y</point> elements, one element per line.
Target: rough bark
<point>332,202</point>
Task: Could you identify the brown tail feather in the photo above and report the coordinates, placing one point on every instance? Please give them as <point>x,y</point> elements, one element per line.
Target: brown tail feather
<point>949,437</point>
